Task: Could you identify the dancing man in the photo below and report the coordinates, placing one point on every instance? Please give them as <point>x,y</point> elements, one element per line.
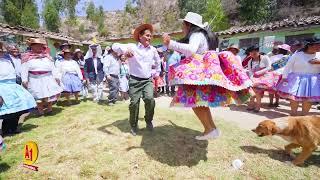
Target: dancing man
<point>141,57</point>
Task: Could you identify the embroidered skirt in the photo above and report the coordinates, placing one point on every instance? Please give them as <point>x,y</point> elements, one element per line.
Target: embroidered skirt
<point>209,80</point>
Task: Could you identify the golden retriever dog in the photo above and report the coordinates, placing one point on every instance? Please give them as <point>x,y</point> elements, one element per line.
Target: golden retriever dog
<point>300,131</point>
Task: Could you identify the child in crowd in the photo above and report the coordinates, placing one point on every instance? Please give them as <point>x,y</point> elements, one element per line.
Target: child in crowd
<point>124,78</point>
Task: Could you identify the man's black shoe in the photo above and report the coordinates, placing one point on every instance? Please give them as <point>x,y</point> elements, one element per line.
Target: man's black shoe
<point>150,126</point>
<point>134,131</point>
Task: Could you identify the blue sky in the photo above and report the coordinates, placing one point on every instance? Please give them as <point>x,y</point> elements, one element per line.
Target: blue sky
<point>108,5</point>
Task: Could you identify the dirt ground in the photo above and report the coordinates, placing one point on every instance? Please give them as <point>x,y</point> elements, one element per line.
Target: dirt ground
<point>240,116</point>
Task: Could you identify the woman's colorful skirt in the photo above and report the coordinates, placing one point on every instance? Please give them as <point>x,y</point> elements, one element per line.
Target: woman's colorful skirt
<point>209,80</point>
<point>159,82</point>
<point>266,82</point>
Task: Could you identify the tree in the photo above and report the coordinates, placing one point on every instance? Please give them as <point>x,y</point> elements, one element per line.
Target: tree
<point>99,18</point>
<point>70,6</point>
<point>215,15</point>
<point>30,17</point>
<point>81,29</point>
<point>196,6</point>
<point>91,11</point>
<point>169,21</point>
<point>305,2</point>
<point>124,23</point>
<point>102,30</point>
<point>253,11</point>
<point>51,16</point>
<point>11,13</point>
<point>12,10</point>
<point>129,8</point>
<point>55,8</point>
<point>58,4</point>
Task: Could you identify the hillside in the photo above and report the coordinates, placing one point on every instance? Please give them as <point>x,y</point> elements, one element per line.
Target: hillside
<point>164,14</point>
<point>282,9</point>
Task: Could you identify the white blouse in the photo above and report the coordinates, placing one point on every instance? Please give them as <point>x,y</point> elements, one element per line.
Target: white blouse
<point>69,66</point>
<point>257,68</point>
<point>299,63</point>
<point>6,70</point>
<point>140,65</point>
<point>40,64</point>
<point>238,58</point>
<point>198,44</point>
<point>17,64</point>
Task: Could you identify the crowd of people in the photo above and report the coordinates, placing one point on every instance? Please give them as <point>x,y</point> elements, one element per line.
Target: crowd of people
<point>41,80</point>
<point>188,70</point>
<point>289,72</point>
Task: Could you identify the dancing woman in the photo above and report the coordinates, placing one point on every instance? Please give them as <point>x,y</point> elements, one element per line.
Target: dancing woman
<point>205,78</point>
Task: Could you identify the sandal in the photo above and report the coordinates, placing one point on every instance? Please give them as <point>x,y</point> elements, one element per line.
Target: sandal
<point>276,105</point>
<point>250,109</point>
<point>38,114</point>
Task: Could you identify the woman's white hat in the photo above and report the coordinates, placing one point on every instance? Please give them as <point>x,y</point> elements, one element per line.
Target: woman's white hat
<point>195,19</point>
<point>77,50</point>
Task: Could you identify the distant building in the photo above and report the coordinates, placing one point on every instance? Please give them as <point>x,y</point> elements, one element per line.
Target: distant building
<point>19,35</point>
<point>265,35</point>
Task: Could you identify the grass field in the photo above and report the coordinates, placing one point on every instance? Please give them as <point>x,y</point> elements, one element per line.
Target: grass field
<point>90,141</point>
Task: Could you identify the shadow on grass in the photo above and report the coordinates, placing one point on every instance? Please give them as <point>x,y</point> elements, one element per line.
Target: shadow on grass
<point>266,113</point>
<point>55,111</point>
<point>4,167</point>
<point>28,127</point>
<point>64,103</point>
<point>280,155</point>
<point>169,144</point>
<point>122,125</point>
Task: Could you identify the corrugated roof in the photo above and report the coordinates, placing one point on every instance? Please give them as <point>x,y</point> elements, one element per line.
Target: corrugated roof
<point>24,31</point>
<point>286,23</point>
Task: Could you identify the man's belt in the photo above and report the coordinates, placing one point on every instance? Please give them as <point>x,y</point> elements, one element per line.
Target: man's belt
<point>38,72</point>
<point>138,79</point>
<point>114,76</point>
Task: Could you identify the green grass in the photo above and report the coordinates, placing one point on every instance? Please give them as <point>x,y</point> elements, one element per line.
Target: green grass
<point>91,141</point>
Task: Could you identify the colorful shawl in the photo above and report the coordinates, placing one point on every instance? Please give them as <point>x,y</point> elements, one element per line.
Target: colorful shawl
<point>30,55</point>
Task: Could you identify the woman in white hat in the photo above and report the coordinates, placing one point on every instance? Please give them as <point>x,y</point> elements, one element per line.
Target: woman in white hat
<point>40,76</point>
<point>205,78</point>
<point>278,63</point>
<point>235,51</point>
